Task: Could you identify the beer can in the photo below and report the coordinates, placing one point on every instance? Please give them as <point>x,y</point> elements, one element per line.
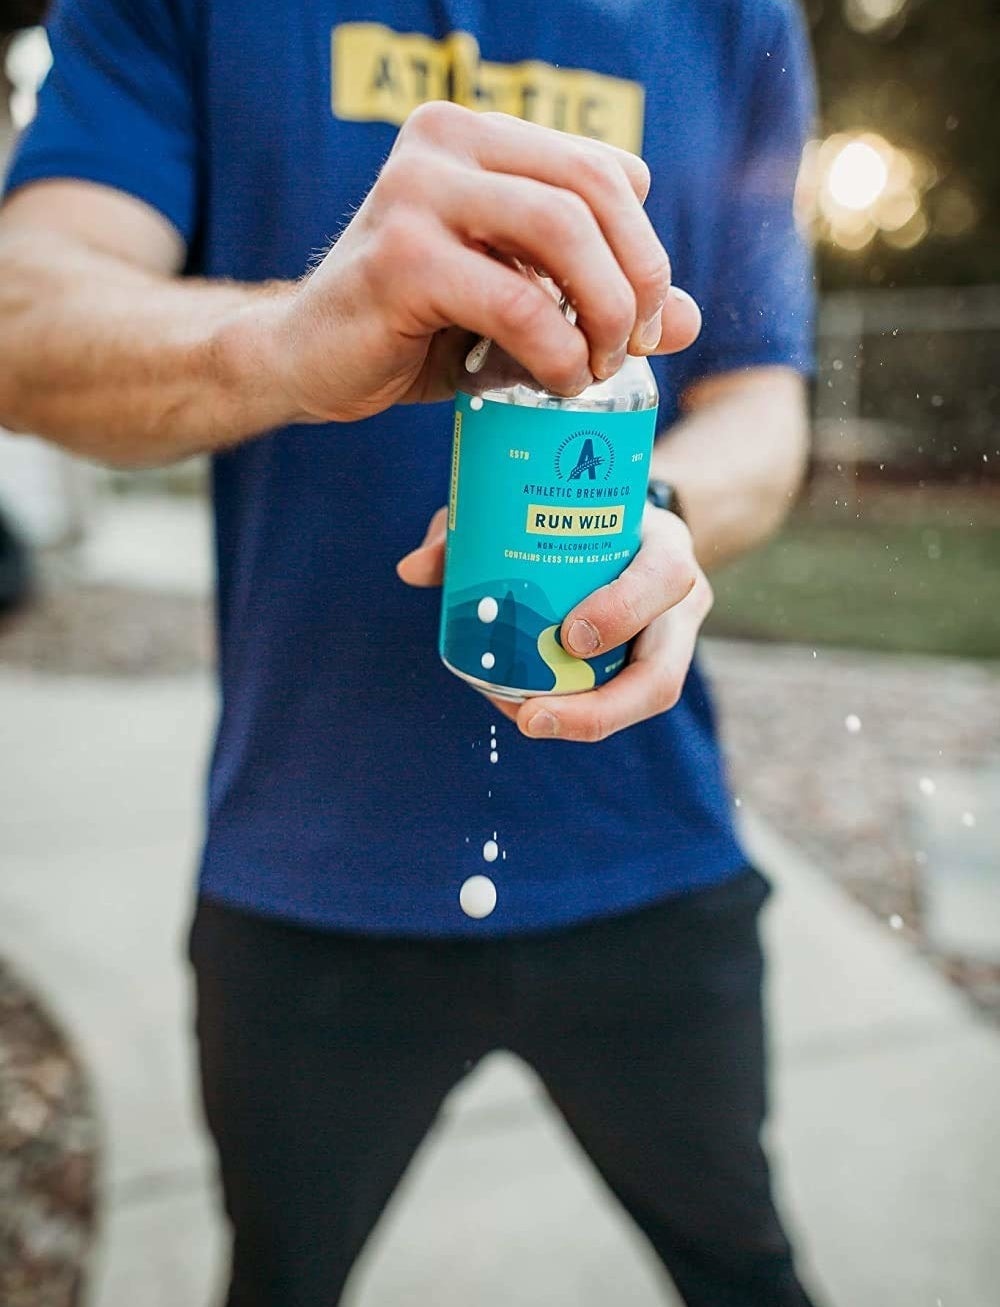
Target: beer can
<point>545,506</point>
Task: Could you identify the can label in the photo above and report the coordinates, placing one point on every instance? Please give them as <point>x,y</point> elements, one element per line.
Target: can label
<point>545,507</point>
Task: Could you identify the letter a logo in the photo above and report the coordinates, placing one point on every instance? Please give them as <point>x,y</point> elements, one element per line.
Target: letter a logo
<point>587,462</point>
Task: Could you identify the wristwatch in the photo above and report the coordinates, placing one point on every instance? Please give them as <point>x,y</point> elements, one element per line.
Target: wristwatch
<point>661,494</point>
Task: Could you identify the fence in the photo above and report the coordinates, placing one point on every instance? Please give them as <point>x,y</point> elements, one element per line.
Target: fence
<point>908,382</point>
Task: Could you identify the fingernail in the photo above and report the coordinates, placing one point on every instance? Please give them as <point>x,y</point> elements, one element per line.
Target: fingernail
<point>542,724</point>
<point>651,331</point>
<point>583,637</point>
<point>614,362</point>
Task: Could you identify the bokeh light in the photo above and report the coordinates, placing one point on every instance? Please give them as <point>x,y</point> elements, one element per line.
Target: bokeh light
<point>855,187</point>
<point>857,176</point>
<point>872,15</point>
<point>955,211</point>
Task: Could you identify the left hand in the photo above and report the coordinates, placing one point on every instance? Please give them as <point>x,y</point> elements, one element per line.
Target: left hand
<point>659,601</point>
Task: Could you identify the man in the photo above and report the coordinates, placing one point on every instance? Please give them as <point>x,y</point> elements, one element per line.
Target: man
<point>342,991</point>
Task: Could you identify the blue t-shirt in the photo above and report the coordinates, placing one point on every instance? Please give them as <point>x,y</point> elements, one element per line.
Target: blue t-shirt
<point>351,785</point>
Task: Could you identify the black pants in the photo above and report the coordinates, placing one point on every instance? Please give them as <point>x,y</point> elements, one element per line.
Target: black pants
<point>325,1058</point>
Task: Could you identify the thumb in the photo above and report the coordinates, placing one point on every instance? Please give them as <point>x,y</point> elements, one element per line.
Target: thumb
<point>425,564</point>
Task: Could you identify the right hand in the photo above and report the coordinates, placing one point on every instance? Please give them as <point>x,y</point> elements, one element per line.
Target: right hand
<point>426,260</point>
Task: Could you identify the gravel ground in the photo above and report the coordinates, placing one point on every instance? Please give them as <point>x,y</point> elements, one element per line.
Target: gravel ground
<point>47,1158</point>
<point>843,796</point>
<point>107,631</point>
<point>829,745</point>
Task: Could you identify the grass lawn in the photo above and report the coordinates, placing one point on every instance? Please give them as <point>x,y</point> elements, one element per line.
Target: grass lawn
<point>914,587</point>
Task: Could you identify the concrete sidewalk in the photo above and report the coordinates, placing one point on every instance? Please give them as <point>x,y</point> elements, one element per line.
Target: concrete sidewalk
<point>887,1130</point>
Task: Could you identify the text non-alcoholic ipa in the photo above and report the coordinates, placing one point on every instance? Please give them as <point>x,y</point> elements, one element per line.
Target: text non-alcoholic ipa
<point>545,506</point>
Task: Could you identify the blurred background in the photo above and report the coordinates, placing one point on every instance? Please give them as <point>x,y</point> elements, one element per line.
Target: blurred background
<point>856,663</point>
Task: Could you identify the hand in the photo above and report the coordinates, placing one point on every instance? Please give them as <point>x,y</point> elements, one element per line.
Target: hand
<point>385,318</point>
<point>660,601</point>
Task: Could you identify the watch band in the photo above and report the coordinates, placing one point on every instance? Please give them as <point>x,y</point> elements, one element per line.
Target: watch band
<point>661,494</point>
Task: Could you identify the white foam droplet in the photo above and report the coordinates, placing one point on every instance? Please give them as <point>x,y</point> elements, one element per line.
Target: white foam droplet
<point>488,660</point>
<point>491,850</point>
<point>494,756</point>
<point>476,403</point>
<point>968,819</point>
<point>738,802</point>
<point>927,786</point>
<point>896,921</point>
<point>853,723</point>
<point>478,897</point>
<point>487,610</point>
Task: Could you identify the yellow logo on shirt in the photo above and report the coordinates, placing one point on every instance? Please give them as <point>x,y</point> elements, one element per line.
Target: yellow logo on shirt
<point>381,76</point>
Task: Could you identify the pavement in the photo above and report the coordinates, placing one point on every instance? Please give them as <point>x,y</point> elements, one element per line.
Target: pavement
<point>150,542</point>
<point>886,1135</point>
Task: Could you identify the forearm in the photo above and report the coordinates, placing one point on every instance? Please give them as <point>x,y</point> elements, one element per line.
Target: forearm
<point>124,365</point>
<point>104,351</point>
<point>736,459</point>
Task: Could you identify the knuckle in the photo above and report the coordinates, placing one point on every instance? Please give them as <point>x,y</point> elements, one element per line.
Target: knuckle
<point>619,311</point>
<point>654,280</point>
<point>399,178</point>
<point>678,570</point>
<point>401,247</point>
<point>596,728</point>
<point>517,305</point>
<point>566,370</point>
<point>493,118</point>
<point>414,180</point>
<point>624,602</point>
<point>597,173</point>
<point>646,569</point>
<point>562,216</point>
<point>434,120</point>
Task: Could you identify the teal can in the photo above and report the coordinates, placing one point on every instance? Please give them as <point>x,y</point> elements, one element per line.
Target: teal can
<point>545,506</point>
